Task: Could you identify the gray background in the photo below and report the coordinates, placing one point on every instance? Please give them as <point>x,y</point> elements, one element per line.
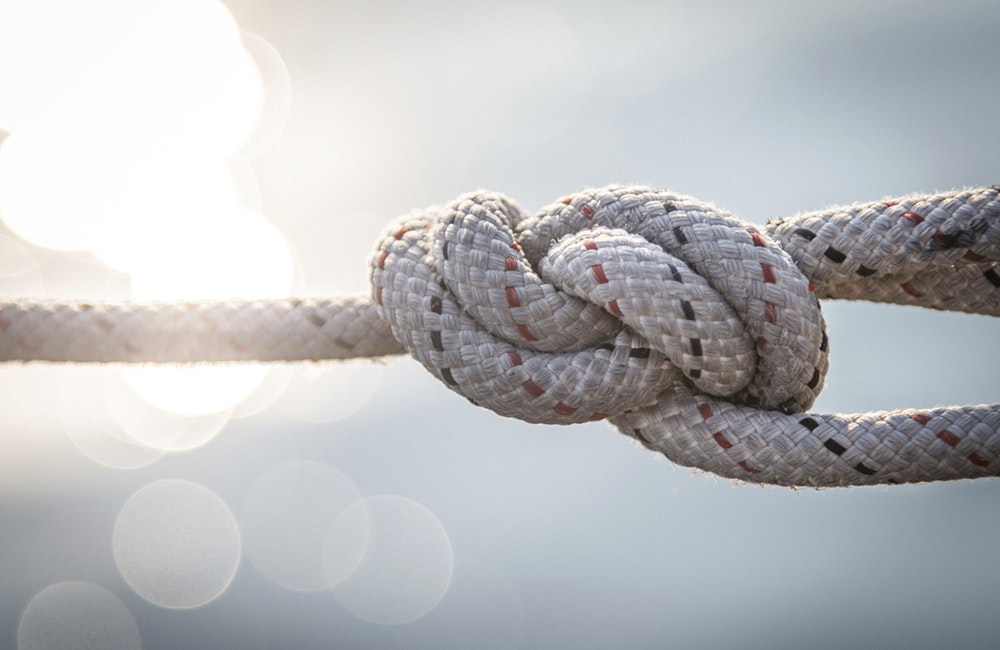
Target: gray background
<point>573,537</point>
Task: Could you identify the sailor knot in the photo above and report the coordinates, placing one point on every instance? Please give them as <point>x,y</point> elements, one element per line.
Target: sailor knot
<point>601,303</point>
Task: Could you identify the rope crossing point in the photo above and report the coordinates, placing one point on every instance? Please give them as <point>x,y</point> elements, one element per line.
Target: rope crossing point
<point>697,334</point>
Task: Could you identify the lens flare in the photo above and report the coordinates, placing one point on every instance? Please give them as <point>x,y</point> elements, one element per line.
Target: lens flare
<point>407,565</point>
<point>286,519</point>
<point>177,544</point>
<point>77,615</point>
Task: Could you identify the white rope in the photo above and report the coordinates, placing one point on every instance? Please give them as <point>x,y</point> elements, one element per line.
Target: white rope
<point>697,334</point>
<point>276,330</point>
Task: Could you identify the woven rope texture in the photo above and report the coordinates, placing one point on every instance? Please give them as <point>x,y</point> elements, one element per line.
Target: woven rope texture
<point>697,334</point>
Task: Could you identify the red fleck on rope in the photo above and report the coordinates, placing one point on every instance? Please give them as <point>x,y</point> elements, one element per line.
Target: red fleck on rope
<point>693,332</point>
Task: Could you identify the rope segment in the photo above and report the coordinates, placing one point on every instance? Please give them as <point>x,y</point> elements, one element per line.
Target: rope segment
<point>695,333</point>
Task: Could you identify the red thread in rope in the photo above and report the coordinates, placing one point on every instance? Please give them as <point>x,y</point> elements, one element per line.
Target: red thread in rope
<point>510,264</point>
<point>534,389</point>
<point>706,412</point>
<point>721,439</point>
<point>770,310</point>
<point>598,271</point>
<point>976,459</point>
<point>563,409</point>
<point>950,439</point>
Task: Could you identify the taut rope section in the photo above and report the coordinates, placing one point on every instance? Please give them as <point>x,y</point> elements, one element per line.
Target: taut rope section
<point>272,330</point>
<point>695,333</point>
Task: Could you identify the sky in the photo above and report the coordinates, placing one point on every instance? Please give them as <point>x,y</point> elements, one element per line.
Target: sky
<point>192,149</point>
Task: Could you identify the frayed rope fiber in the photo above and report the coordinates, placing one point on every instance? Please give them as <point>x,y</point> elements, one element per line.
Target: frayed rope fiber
<point>697,334</point>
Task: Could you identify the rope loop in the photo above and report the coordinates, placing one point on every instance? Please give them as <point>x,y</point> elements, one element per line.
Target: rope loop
<point>600,303</point>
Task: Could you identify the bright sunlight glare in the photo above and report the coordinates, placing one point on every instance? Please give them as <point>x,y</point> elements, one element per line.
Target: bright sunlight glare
<point>126,121</point>
<point>194,391</point>
<point>172,72</point>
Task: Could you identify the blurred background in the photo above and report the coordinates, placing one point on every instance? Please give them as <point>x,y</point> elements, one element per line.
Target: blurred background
<point>195,149</point>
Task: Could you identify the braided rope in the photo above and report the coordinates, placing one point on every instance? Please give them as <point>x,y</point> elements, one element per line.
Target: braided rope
<point>278,330</point>
<point>693,332</point>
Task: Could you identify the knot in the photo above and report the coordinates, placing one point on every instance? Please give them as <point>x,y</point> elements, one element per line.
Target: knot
<point>600,304</point>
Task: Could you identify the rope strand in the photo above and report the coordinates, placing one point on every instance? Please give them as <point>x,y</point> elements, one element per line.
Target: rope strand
<point>209,331</point>
<point>693,332</point>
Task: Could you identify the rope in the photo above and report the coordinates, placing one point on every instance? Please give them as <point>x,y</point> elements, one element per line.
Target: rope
<point>278,330</point>
<point>697,334</point>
